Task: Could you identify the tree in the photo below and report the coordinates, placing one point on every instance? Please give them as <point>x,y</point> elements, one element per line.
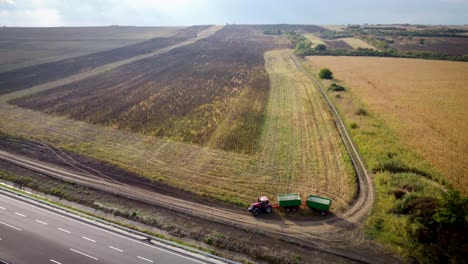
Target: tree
<point>325,73</point>
<point>421,41</point>
<point>321,47</point>
<point>305,44</point>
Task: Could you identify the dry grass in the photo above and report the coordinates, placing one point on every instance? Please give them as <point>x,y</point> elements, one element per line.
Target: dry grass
<point>334,27</point>
<point>424,102</point>
<point>300,137</point>
<point>357,43</point>
<point>315,40</point>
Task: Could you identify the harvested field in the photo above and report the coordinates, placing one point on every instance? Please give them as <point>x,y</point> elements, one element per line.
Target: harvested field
<point>357,43</point>
<point>449,45</point>
<point>423,101</point>
<point>289,27</point>
<point>306,157</point>
<point>34,75</point>
<point>337,44</point>
<point>212,93</point>
<point>334,27</point>
<point>315,40</point>
<point>23,47</point>
<point>331,44</point>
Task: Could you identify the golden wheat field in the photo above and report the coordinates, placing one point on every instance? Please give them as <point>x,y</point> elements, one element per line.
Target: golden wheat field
<point>425,102</point>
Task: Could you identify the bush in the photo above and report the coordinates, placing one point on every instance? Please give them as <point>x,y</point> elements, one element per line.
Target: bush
<point>361,111</point>
<point>305,44</point>
<point>325,73</point>
<point>353,125</point>
<point>321,47</point>
<point>336,88</point>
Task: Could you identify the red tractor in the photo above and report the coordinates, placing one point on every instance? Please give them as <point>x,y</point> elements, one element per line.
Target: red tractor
<point>261,206</point>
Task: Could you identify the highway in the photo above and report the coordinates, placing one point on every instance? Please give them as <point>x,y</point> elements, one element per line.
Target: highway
<point>30,234</point>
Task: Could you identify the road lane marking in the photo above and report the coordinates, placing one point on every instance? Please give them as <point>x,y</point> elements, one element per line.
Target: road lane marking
<point>117,249</point>
<point>2,208</point>
<point>16,213</point>
<point>63,230</point>
<point>89,239</point>
<point>40,222</point>
<point>102,230</point>
<point>14,227</point>
<point>149,260</point>
<point>54,261</point>
<point>89,256</point>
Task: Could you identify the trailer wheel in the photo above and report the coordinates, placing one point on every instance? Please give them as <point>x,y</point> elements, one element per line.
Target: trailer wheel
<point>256,212</point>
<point>324,212</point>
<point>295,208</point>
<point>268,209</point>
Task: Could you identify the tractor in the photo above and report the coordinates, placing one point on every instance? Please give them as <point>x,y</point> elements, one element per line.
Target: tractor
<point>261,206</point>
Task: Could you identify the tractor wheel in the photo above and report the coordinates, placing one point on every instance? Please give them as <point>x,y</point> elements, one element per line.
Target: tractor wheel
<point>256,212</point>
<point>268,209</point>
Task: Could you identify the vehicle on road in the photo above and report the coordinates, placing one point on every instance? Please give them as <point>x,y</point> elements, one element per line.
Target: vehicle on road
<point>261,206</point>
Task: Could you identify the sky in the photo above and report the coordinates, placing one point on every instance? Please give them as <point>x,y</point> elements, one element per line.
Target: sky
<point>52,13</point>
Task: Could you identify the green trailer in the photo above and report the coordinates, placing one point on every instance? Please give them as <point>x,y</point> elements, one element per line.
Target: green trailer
<point>319,203</point>
<point>290,201</point>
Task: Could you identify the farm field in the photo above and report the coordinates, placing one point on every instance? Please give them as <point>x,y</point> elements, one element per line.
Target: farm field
<point>357,43</point>
<point>305,156</point>
<point>23,47</point>
<point>448,45</point>
<point>423,101</point>
<point>211,92</point>
<point>331,44</point>
<point>300,136</point>
<point>38,74</point>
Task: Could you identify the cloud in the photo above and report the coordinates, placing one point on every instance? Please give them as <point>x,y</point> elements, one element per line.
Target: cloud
<point>10,2</point>
<point>39,17</point>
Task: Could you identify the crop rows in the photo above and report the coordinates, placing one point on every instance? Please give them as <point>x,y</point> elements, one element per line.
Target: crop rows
<point>186,94</point>
<point>38,74</point>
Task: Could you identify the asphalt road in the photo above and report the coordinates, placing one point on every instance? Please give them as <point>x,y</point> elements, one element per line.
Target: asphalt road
<point>29,234</point>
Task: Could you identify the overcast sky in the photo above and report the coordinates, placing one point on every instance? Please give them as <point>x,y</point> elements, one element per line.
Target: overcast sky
<point>185,12</point>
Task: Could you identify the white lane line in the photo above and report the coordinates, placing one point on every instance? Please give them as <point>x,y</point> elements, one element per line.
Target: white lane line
<point>54,261</point>
<point>103,230</point>
<point>76,251</point>
<point>40,222</point>
<point>63,230</point>
<point>2,208</point>
<point>149,260</point>
<point>16,213</point>
<point>14,227</point>
<point>117,249</point>
<point>89,239</point>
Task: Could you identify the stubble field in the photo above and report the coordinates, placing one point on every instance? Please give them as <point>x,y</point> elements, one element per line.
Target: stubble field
<point>423,101</point>
<point>23,47</point>
<point>257,129</point>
